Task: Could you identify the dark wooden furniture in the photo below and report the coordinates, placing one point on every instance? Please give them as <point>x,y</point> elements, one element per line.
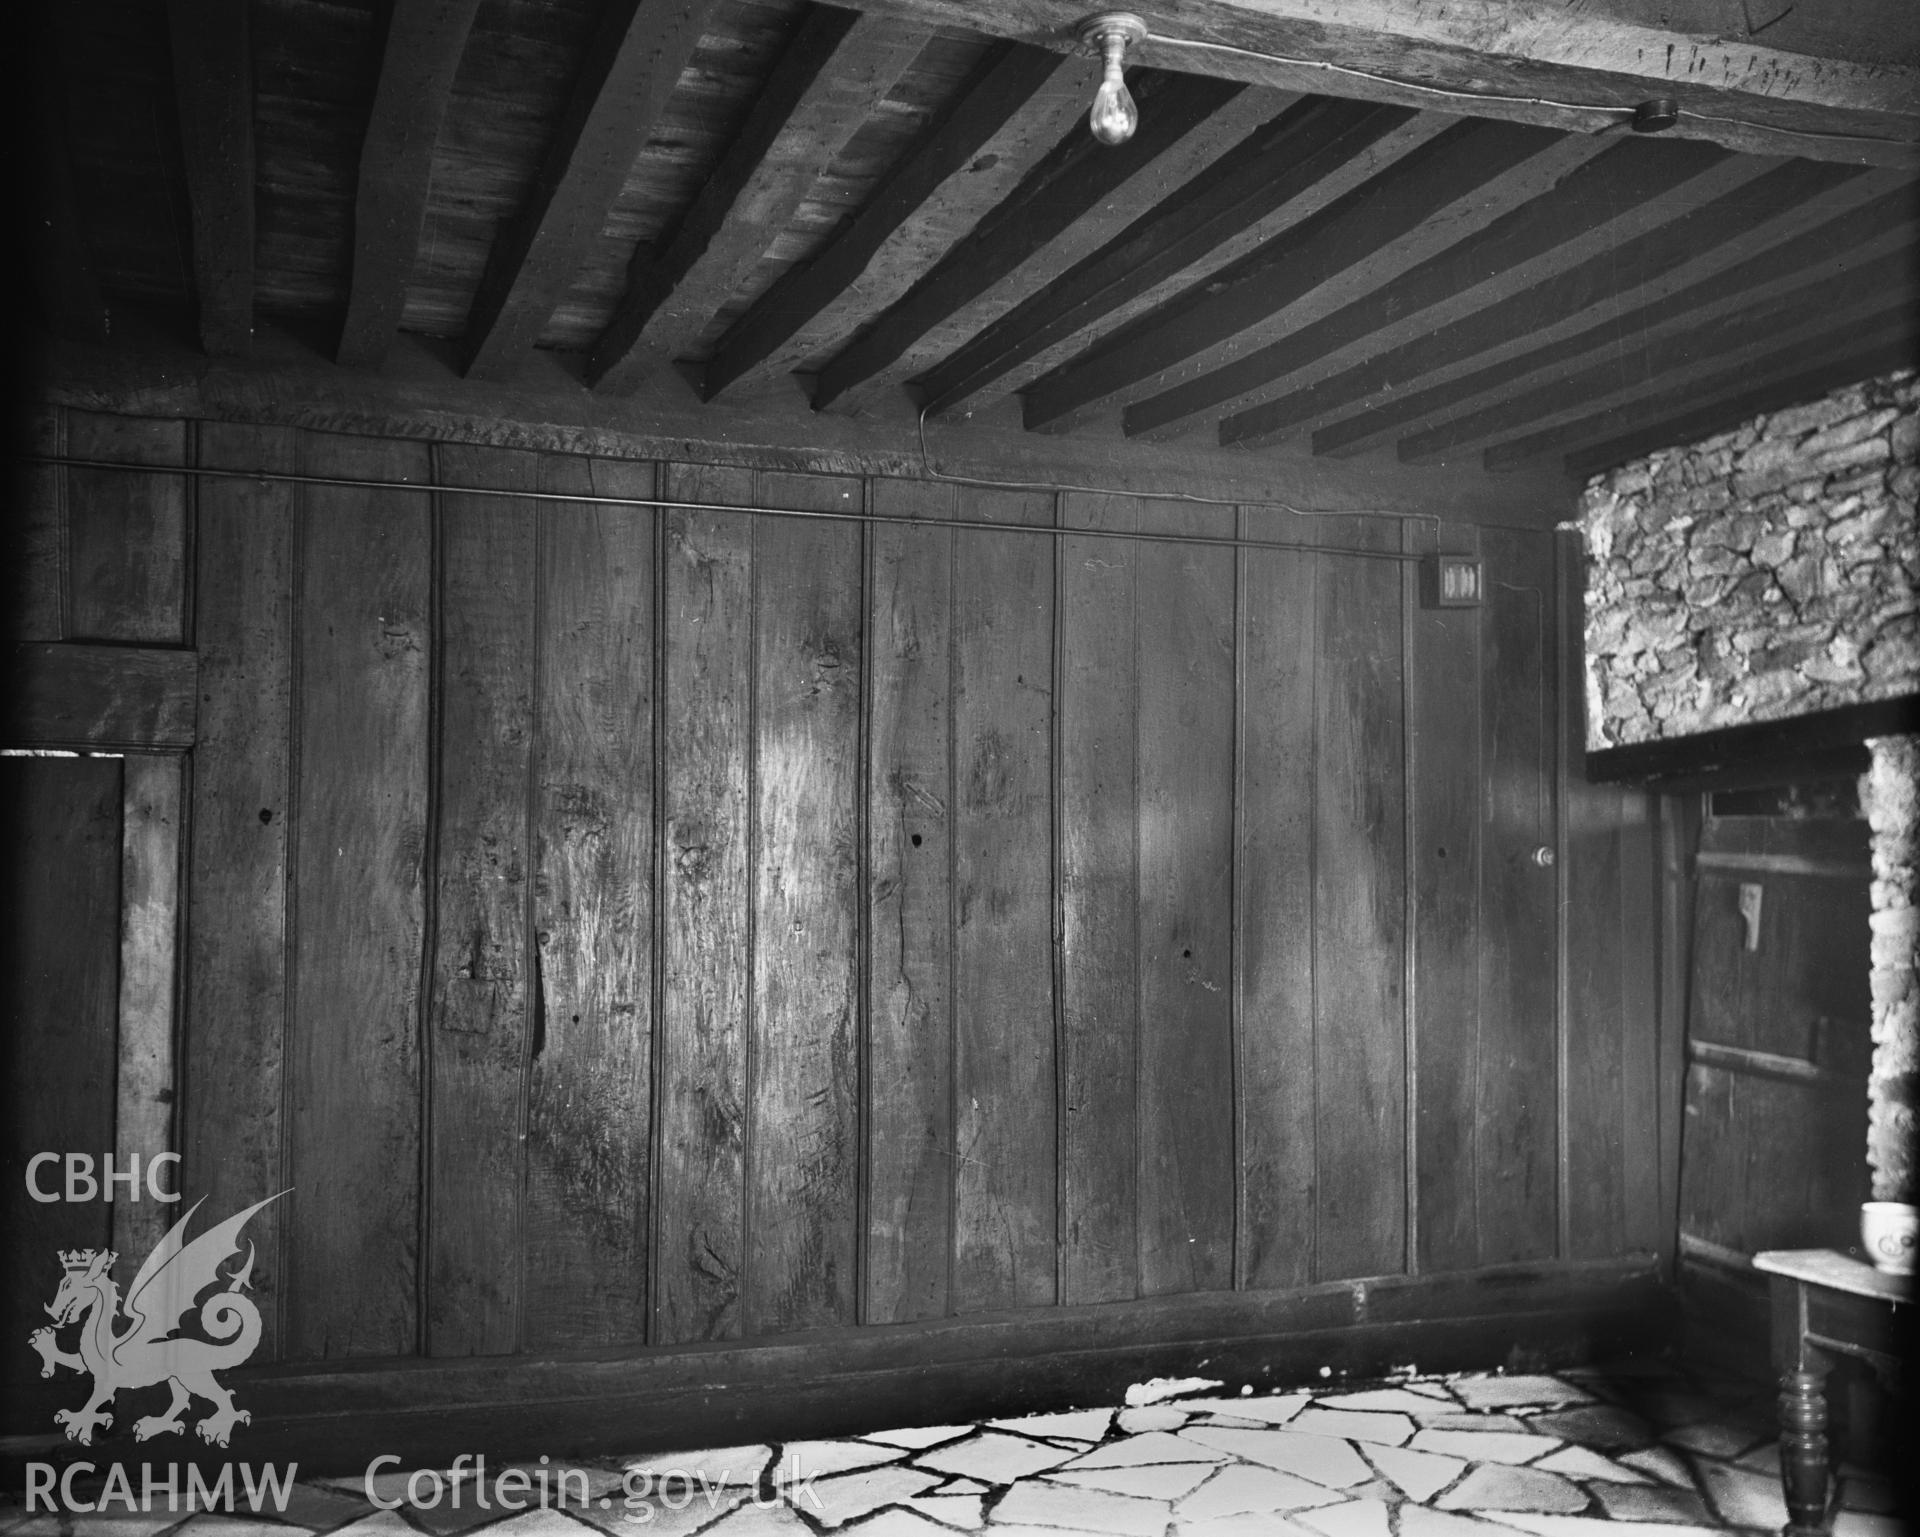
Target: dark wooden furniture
<point>1825,1304</point>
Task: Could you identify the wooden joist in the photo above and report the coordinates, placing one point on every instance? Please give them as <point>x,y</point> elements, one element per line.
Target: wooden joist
<point>1807,312</point>
<point>1440,193</point>
<point>630,69</point>
<point>932,182</point>
<point>425,39</point>
<point>1304,157</point>
<point>1822,258</point>
<point>213,91</point>
<point>76,697</point>
<point>1815,85</point>
<point>835,71</point>
<point>1077,177</point>
<point>1581,216</point>
<point>1834,347</point>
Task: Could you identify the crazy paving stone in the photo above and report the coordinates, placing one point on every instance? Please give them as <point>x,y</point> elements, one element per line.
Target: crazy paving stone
<point>1595,1526</point>
<point>1356,1518</point>
<point>1423,1521</point>
<point>706,1507</point>
<point>907,1523</point>
<point>961,1510</point>
<point>994,1458</point>
<point>1392,1400</point>
<point>1137,1422</point>
<point>1454,1419</point>
<point>1662,1463</point>
<point>319,1509</point>
<point>1764,1458</point>
<point>920,1437</point>
<point>1712,1440</point>
<point>1319,1458</point>
<point>1158,1389</point>
<point>723,1465</point>
<point>231,1526</point>
<point>1247,1524</point>
<point>1858,1523</point>
<point>1163,1481</point>
<point>1418,1475</point>
<point>756,1521</point>
<point>1651,1502</point>
<point>1355,1425</point>
<point>1081,1425</point>
<point>1233,1421</point>
<point>448,1520</point>
<point>545,1523</point>
<point>1601,1426</point>
<point>836,1501</point>
<point>1484,1445</point>
<point>1277,1410</point>
<point>803,1459</point>
<point>1741,1497</point>
<point>1863,1492</point>
<point>1478,1392</point>
<point>1239,1487</point>
<point>1582,1462</point>
<point>1088,1510</point>
<point>382,1523</point>
<point>1156,1446</point>
<point>1495,1486</point>
<point>963,1486</point>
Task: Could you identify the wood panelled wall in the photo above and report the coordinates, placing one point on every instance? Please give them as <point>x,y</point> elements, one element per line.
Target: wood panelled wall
<point>622,926</point>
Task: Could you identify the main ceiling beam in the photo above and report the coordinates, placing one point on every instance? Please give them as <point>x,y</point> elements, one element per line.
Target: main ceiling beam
<point>1575,68</point>
<point>213,89</point>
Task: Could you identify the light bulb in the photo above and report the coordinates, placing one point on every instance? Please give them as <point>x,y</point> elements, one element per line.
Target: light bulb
<point>1114,116</point>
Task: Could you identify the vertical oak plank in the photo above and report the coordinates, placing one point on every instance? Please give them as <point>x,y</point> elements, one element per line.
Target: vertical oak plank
<point>589,1109</point>
<point>126,532</point>
<point>363,639</point>
<point>910,909</point>
<point>1517,1102</point>
<point>707,962</point>
<point>1186,643</point>
<point>1359,910</point>
<point>1274,903</point>
<point>1005,1188</point>
<point>1443,864</point>
<point>480,978</point>
<point>803,1140</point>
<point>233,1125</point>
<point>153,791</point>
<point>1100,901</point>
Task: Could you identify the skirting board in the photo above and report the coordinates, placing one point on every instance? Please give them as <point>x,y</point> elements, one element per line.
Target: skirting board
<point>335,1418</point>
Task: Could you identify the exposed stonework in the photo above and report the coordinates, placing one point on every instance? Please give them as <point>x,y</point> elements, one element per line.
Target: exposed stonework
<point>1770,571</point>
<point>1890,797</point>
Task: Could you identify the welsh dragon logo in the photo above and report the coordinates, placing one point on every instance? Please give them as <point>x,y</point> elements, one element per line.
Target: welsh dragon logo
<point>148,1350</point>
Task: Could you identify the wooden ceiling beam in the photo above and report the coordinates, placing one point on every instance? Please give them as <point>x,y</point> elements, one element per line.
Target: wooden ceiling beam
<point>1826,254</point>
<point>1575,68</point>
<point>1582,216</point>
<point>1021,98</point>
<point>1771,351</point>
<point>1438,194</point>
<point>631,68</point>
<point>1074,180</point>
<point>1876,358</point>
<point>1303,158</point>
<point>213,91</point>
<point>830,78</point>
<point>425,39</point>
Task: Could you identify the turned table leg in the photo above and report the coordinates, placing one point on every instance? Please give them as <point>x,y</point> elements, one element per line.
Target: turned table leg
<point>1803,1449</point>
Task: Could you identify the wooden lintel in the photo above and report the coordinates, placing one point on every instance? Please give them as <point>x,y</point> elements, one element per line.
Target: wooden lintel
<point>629,72</point>
<point>1575,68</point>
<point>109,698</point>
<point>425,39</point>
<point>213,91</point>
<point>1761,752</point>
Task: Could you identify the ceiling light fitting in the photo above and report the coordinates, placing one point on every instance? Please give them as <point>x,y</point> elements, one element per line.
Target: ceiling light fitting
<point>1114,116</point>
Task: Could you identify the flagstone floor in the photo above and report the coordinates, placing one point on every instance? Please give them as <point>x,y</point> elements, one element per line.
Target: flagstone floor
<point>1634,1451</point>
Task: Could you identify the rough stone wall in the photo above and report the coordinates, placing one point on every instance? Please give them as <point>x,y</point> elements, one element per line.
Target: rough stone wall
<point>1888,796</point>
<point>1770,571</point>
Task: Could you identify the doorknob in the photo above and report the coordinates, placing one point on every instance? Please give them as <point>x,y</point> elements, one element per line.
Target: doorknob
<point>1751,895</point>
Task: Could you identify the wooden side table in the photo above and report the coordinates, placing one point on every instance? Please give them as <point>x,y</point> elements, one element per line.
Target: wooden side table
<point>1826,1304</point>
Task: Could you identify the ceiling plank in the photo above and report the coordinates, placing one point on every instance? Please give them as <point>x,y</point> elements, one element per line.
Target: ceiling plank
<point>1825,254</point>
<point>1074,180</point>
<point>834,72</point>
<point>1869,321</point>
<point>213,91</point>
<point>1776,204</point>
<point>1691,426</point>
<point>1018,88</point>
<point>1575,68</point>
<point>425,39</point>
<point>1303,158</point>
<point>1446,189</point>
<point>1579,217</point>
<point>62,264</point>
<point>631,68</point>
